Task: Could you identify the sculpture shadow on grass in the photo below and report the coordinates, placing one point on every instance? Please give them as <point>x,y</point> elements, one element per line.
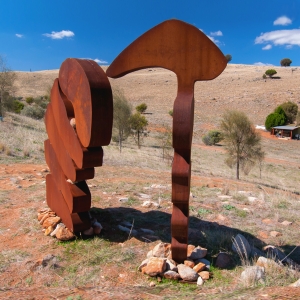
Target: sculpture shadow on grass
<point>211,235</point>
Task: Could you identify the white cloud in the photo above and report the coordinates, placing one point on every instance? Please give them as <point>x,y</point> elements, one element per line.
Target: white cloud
<point>283,20</point>
<point>100,61</point>
<point>262,64</point>
<point>280,38</point>
<point>217,42</point>
<point>18,35</point>
<point>216,33</point>
<point>58,35</point>
<point>267,47</point>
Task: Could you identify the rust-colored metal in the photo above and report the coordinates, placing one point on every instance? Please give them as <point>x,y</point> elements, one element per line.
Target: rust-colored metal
<point>192,56</point>
<point>82,94</point>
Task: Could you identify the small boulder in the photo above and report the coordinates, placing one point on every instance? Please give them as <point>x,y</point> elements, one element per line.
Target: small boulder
<point>204,275</point>
<point>171,265</point>
<point>295,284</point>
<point>253,274</point>
<point>171,275</point>
<point>155,266</point>
<point>186,273</point>
<point>51,221</point>
<point>200,281</point>
<point>64,234</point>
<point>203,260</point>
<point>49,230</point>
<point>199,267</point>
<point>197,253</point>
<point>189,263</point>
<point>224,261</point>
<point>161,250</point>
<point>143,264</point>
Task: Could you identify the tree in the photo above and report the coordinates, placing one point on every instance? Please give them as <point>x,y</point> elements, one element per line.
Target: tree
<point>138,124</point>
<point>298,118</point>
<point>270,72</point>
<point>285,62</point>
<point>273,120</point>
<point>7,79</point>
<point>141,108</point>
<point>228,57</point>
<point>165,141</point>
<point>290,109</point>
<point>242,142</point>
<point>122,114</point>
<point>213,137</point>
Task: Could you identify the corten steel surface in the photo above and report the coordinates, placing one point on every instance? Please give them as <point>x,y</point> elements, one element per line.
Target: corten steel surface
<point>192,56</point>
<point>81,93</point>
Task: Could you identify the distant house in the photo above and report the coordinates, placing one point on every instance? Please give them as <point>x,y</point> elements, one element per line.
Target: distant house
<point>292,132</point>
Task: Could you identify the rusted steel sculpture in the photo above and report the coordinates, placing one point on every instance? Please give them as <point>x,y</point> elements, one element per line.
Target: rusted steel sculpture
<point>83,92</point>
<point>192,56</point>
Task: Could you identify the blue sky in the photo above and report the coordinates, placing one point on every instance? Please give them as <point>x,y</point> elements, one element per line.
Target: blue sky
<point>40,34</point>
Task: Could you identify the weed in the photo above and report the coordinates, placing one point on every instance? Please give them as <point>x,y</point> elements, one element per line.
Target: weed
<point>203,211</point>
<point>228,207</point>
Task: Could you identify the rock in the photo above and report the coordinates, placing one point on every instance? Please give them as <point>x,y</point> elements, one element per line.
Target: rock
<point>155,266</point>
<point>204,275</point>
<point>266,263</point>
<point>286,223</point>
<point>147,204</point>
<point>197,253</point>
<point>73,123</point>
<point>53,233</point>
<point>252,199</point>
<point>171,265</point>
<point>97,228</point>
<point>144,196</point>
<point>186,273</point>
<point>252,274</point>
<point>223,197</point>
<point>275,253</point>
<point>64,234</point>
<point>51,221</point>
<point>200,281</point>
<point>263,234</point>
<point>89,231</point>
<point>171,275</point>
<point>152,284</point>
<point>295,284</point>
<point>123,200</point>
<point>203,260</point>
<point>49,230</point>
<point>224,261</point>
<point>161,250</point>
<point>275,233</point>
<point>241,246</point>
<point>150,254</point>
<point>199,267</point>
<point>189,263</point>
<point>143,264</point>
<point>190,249</point>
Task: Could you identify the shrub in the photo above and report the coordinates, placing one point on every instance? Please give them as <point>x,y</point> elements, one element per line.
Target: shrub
<point>17,106</point>
<point>298,118</point>
<point>270,72</point>
<point>141,108</point>
<point>213,137</point>
<point>228,57</point>
<point>274,119</point>
<point>29,100</point>
<point>290,109</point>
<point>264,76</point>
<point>285,62</point>
<point>171,112</point>
<point>34,112</point>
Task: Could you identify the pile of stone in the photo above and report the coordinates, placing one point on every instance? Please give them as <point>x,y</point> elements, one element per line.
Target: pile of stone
<point>52,226</point>
<point>159,263</point>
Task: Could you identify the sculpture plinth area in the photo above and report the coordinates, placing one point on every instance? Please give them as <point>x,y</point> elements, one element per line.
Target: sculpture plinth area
<point>83,93</point>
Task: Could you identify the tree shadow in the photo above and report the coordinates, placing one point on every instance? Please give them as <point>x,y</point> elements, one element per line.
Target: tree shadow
<point>211,235</point>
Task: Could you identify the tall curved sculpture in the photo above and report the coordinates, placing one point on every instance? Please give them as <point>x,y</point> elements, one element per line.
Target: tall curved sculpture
<point>79,120</point>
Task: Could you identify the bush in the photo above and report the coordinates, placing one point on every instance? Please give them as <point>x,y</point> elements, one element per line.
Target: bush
<point>285,62</point>
<point>141,108</point>
<point>274,119</point>
<point>264,76</point>
<point>290,109</point>
<point>17,106</point>
<point>228,57</point>
<point>34,112</point>
<point>171,112</point>
<point>29,100</point>
<point>213,137</point>
<point>270,72</point>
